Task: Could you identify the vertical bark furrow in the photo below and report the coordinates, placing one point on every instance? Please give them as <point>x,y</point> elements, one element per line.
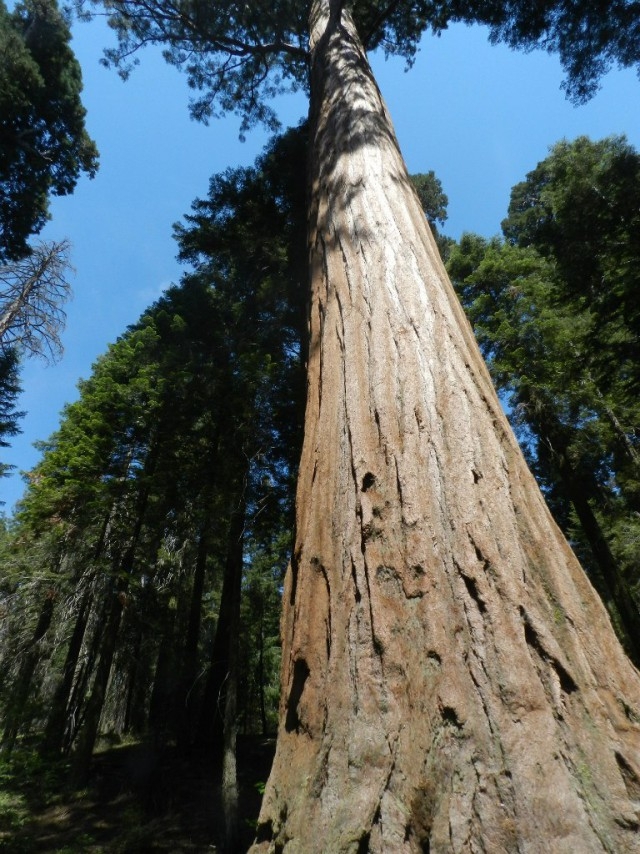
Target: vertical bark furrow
<point>465,691</point>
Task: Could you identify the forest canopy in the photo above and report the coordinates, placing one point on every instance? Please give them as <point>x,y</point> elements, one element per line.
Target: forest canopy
<point>132,505</point>
<point>44,146</point>
<point>448,674</point>
<point>237,56</point>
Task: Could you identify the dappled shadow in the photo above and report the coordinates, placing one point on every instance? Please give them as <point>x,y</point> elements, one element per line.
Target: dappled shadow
<point>359,184</point>
<point>348,114</point>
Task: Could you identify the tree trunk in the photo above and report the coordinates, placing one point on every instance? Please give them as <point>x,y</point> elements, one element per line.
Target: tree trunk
<point>161,706</point>
<point>57,721</point>
<point>77,705</point>
<point>60,721</point>
<point>211,725</point>
<point>134,707</point>
<point>579,488</point>
<point>451,682</point>
<point>116,601</point>
<point>91,721</point>
<point>261,675</point>
<point>185,695</point>
<point>229,781</point>
<point>22,687</point>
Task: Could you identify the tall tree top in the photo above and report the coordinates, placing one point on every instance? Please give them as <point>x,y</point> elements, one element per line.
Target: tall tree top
<point>237,56</point>
<point>589,36</point>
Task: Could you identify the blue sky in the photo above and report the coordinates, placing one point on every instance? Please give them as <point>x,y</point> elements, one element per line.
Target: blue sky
<point>481,116</point>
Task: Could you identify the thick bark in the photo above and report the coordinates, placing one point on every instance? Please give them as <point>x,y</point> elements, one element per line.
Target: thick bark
<point>612,577</point>
<point>451,682</point>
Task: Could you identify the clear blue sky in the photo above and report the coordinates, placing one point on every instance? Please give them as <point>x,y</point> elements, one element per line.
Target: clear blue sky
<point>480,116</point>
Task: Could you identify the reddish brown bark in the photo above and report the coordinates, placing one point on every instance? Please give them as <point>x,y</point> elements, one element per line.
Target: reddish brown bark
<point>451,682</point>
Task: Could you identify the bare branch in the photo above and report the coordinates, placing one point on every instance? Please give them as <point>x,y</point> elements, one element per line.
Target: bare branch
<point>32,293</point>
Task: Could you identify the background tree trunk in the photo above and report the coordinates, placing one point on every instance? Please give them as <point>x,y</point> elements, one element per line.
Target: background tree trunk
<point>117,599</point>
<point>210,735</point>
<point>57,721</point>
<point>22,687</point>
<point>91,720</point>
<point>186,698</point>
<point>614,581</point>
<point>451,682</point>
<point>229,778</point>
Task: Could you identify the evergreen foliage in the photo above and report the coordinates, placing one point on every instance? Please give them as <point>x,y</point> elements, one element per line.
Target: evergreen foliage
<point>552,308</point>
<point>238,56</point>
<point>9,391</point>
<point>145,564</point>
<point>181,448</point>
<point>589,38</point>
<point>44,146</point>
<point>434,204</point>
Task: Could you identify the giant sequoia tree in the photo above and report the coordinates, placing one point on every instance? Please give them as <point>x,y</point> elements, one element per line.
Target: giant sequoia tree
<point>450,680</point>
<point>554,310</point>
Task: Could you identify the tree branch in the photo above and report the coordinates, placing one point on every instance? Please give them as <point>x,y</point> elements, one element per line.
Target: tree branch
<point>379,21</point>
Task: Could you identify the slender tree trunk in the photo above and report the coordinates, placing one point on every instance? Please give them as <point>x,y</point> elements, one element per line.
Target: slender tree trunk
<point>261,674</point>
<point>619,432</point>
<point>77,705</point>
<point>185,694</point>
<point>93,711</point>
<point>578,490</point>
<point>91,720</point>
<point>211,724</point>
<point>161,707</point>
<point>62,723</point>
<point>451,682</point>
<point>57,720</point>
<point>22,687</point>
<point>229,788</point>
<point>133,712</point>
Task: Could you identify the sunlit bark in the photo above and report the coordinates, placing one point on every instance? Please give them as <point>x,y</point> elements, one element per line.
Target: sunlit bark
<point>451,682</point>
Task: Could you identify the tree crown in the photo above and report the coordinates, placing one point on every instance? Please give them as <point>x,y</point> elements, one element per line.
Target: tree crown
<point>238,56</point>
<point>44,146</point>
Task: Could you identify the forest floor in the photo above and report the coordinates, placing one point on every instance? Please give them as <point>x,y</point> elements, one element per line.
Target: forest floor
<point>136,801</point>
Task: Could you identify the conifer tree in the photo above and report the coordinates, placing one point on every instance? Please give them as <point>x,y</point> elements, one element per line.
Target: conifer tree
<point>553,309</point>
<point>44,146</point>
<point>450,678</point>
<point>187,417</point>
<point>9,391</point>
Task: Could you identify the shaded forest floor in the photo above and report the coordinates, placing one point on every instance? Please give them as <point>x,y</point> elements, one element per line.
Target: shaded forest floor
<point>135,801</point>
